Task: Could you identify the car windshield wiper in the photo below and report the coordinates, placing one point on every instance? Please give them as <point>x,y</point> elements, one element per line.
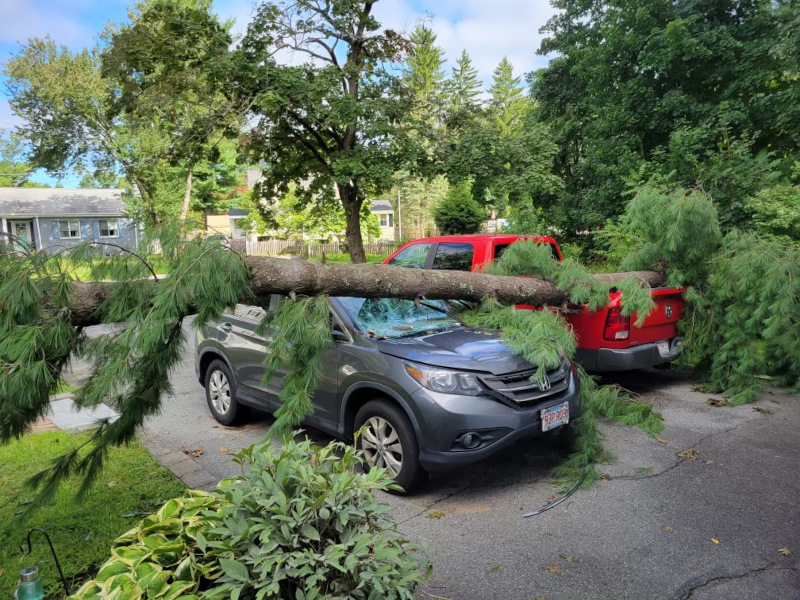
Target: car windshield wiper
<point>449,313</point>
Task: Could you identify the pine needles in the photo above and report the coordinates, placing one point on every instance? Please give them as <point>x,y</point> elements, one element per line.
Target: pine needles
<point>131,363</point>
<point>301,332</point>
<point>742,325</point>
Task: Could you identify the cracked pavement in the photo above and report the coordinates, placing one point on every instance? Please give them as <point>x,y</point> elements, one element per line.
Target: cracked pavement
<point>643,532</point>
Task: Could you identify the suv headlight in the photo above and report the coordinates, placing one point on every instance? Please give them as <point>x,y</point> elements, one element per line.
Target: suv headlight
<point>444,381</point>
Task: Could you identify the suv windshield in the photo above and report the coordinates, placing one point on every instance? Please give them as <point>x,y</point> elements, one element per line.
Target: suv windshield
<point>395,318</point>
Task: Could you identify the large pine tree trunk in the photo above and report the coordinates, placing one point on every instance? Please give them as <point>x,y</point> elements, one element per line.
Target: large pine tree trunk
<point>351,202</point>
<point>280,276</point>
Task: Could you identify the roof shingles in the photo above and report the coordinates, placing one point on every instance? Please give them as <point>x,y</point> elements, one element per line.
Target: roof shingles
<point>57,202</point>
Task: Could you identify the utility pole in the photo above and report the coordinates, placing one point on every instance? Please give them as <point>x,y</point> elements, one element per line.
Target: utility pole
<point>399,218</point>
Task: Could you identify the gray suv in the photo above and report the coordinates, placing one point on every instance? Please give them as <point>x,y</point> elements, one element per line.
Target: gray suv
<point>430,392</point>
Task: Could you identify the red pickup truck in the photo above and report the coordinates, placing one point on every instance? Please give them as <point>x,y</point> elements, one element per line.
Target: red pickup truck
<point>607,340</point>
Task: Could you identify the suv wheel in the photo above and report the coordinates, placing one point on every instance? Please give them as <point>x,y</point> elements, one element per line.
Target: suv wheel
<point>221,394</point>
<point>388,441</point>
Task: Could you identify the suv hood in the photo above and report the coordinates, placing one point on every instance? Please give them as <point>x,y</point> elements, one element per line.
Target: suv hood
<point>463,348</point>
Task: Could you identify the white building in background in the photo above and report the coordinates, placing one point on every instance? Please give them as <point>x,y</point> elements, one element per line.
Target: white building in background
<point>385,213</point>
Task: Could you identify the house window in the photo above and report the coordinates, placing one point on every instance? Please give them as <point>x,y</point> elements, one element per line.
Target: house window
<point>108,227</point>
<point>386,220</point>
<point>69,229</point>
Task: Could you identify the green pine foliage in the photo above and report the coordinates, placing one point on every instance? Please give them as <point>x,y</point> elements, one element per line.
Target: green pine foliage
<point>131,363</point>
<point>302,332</point>
<point>743,311</point>
<point>529,257</point>
<point>676,228</point>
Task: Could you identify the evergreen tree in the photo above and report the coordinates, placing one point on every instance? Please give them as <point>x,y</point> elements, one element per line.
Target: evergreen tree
<point>508,103</point>
<point>466,87</point>
<point>459,212</point>
<point>424,76</point>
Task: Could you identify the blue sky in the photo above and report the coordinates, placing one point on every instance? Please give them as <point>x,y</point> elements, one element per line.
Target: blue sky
<point>488,30</point>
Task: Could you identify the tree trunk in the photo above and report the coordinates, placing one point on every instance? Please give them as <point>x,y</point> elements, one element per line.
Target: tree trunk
<point>281,276</point>
<point>352,211</point>
<point>187,195</point>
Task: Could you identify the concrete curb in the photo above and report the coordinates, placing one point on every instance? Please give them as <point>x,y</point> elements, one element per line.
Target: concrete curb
<point>183,466</point>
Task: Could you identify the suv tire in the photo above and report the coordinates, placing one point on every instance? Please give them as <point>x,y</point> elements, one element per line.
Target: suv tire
<point>221,394</point>
<point>388,441</point>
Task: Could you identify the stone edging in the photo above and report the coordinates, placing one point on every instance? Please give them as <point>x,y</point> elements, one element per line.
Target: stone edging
<point>183,466</point>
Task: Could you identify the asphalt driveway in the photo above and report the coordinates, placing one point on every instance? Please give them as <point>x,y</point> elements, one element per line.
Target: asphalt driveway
<point>710,526</point>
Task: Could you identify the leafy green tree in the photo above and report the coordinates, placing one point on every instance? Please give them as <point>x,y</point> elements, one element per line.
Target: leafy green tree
<point>459,212</point>
<point>339,120</point>
<point>418,198</point>
<point>14,169</point>
<point>140,105</point>
<point>667,86</point>
<point>169,65</point>
<point>776,210</point>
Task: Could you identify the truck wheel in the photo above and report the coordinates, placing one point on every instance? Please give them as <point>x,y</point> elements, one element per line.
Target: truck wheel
<point>221,394</point>
<point>388,441</point>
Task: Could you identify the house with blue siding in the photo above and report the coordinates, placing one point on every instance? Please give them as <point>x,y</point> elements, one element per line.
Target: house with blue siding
<point>52,219</point>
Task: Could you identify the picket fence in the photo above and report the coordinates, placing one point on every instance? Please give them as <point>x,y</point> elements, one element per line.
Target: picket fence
<point>308,249</point>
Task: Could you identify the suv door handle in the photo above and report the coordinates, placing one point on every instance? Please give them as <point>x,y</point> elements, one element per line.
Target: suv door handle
<point>226,327</point>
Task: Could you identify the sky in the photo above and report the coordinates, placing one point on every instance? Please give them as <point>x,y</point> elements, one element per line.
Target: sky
<point>488,30</point>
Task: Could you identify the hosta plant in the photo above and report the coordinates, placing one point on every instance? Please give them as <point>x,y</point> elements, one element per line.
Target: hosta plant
<point>160,557</point>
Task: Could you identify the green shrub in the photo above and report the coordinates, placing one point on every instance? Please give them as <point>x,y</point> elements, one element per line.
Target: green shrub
<point>459,212</point>
<point>300,524</point>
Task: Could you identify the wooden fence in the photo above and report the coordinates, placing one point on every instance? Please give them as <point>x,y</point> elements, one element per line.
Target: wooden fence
<point>308,249</point>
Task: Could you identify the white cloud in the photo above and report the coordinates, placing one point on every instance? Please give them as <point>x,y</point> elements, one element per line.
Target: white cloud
<point>488,31</point>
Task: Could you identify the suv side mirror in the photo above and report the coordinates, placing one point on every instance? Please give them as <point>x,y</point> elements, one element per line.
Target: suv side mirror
<point>339,335</point>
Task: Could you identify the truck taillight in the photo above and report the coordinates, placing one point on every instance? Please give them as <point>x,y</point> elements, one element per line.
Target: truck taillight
<point>617,326</point>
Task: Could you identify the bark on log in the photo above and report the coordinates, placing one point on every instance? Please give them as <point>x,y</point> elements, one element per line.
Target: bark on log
<point>282,276</point>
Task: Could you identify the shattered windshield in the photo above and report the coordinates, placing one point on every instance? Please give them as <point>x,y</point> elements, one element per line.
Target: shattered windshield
<point>395,318</point>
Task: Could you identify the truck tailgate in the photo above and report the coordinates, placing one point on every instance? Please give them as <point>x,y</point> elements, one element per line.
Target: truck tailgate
<point>662,322</point>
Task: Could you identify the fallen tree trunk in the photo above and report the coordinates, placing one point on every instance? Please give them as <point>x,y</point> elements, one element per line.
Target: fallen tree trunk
<point>281,276</point>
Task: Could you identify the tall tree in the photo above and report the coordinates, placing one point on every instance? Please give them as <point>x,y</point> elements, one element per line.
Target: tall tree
<point>138,105</point>
<point>508,103</point>
<point>169,65</point>
<point>424,76</point>
<point>465,85</point>
<point>334,124</point>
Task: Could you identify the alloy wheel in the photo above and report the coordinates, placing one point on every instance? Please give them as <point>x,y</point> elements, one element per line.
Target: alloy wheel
<point>381,445</point>
<point>219,390</point>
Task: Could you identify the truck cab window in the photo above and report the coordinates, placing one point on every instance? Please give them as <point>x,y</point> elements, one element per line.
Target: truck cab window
<point>454,257</point>
<point>413,256</point>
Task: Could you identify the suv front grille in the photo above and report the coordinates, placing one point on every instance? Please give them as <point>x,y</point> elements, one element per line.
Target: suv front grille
<point>521,389</point>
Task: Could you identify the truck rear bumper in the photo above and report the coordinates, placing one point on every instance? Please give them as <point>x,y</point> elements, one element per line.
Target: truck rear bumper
<point>627,359</point>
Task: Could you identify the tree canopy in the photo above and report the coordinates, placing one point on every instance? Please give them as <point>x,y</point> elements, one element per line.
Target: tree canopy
<point>703,93</point>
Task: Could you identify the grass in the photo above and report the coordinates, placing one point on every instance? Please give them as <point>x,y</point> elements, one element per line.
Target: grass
<point>341,257</point>
<point>131,484</point>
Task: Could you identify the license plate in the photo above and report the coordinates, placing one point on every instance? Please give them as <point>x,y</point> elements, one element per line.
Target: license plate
<point>554,416</point>
<point>663,348</point>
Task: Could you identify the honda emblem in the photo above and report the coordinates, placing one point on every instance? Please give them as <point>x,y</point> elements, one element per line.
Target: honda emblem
<point>544,384</point>
<point>668,311</point>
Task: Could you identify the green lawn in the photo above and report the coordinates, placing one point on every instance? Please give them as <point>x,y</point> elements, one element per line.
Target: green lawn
<point>341,257</point>
<point>131,484</point>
